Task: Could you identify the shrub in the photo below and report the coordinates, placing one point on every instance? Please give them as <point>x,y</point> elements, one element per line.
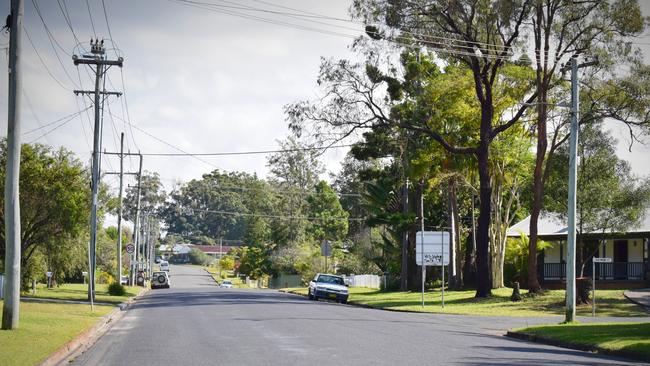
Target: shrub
<point>198,257</point>
<point>105,277</point>
<point>116,289</point>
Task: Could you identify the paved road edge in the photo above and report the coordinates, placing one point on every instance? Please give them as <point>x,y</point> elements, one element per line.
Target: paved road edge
<point>580,347</point>
<point>86,339</point>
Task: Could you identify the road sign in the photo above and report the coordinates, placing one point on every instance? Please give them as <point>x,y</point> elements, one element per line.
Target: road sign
<point>602,260</point>
<point>130,248</point>
<point>326,248</point>
<point>48,274</point>
<point>435,248</point>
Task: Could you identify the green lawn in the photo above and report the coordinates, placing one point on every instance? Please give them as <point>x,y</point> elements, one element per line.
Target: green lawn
<point>631,338</point>
<point>77,291</point>
<point>610,302</point>
<point>43,329</point>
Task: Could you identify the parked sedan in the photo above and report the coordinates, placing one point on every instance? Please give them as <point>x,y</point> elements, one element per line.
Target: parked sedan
<point>226,284</point>
<point>328,286</point>
<point>160,280</point>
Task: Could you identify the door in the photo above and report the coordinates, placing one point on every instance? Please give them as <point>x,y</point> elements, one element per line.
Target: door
<point>620,259</point>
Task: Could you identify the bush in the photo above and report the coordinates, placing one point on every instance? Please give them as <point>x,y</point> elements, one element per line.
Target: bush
<point>105,277</point>
<point>116,289</point>
<point>198,257</point>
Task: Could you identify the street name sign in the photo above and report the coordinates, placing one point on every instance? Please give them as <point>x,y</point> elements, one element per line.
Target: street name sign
<point>434,250</point>
<point>602,260</point>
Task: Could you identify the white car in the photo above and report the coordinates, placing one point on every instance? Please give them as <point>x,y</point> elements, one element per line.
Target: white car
<point>328,286</point>
<point>164,266</point>
<point>226,284</point>
<point>160,279</point>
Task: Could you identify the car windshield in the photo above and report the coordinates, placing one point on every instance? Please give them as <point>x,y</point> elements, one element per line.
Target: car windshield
<point>331,279</point>
<point>227,282</point>
<point>158,273</point>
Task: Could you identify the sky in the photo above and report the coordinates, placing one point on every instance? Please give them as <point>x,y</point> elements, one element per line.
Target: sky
<point>194,80</point>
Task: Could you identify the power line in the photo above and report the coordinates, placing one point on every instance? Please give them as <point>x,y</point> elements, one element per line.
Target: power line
<point>53,42</point>
<point>250,152</point>
<point>72,115</point>
<point>92,24</point>
<point>29,38</point>
<point>165,142</point>
<point>191,211</point>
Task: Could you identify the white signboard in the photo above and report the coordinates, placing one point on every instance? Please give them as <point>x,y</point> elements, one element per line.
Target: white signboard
<point>48,274</point>
<point>436,248</point>
<point>602,260</point>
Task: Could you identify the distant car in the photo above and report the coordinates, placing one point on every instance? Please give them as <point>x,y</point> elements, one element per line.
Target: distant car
<point>124,280</point>
<point>158,260</point>
<point>164,266</point>
<point>328,286</point>
<point>226,284</point>
<point>160,279</point>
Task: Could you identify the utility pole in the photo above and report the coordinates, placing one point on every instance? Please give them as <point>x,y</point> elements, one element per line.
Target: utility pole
<point>136,224</point>
<point>119,213</point>
<point>121,173</point>
<point>11,305</point>
<point>571,204</point>
<point>98,59</point>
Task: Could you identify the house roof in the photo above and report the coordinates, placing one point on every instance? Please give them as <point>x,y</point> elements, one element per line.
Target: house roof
<point>554,225</point>
<point>213,248</point>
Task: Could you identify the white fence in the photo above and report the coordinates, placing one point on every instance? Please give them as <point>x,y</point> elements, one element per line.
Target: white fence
<point>369,281</point>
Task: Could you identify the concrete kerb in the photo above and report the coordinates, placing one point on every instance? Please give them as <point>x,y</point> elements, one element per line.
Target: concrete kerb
<point>69,351</point>
<point>643,304</point>
<point>580,347</point>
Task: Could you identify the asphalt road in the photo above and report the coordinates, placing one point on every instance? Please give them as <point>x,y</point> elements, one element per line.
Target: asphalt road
<point>195,323</point>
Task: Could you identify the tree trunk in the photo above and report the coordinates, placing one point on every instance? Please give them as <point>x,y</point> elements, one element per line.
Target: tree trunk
<point>469,269</point>
<point>403,284</point>
<point>484,283</point>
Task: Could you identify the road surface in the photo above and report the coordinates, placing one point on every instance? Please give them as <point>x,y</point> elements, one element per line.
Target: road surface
<point>195,323</point>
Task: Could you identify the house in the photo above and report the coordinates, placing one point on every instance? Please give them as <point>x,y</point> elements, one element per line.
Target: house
<point>180,252</point>
<point>629,251</point>
<point>214,251</point>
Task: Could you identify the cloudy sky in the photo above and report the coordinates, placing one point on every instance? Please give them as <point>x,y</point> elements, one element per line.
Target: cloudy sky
<point>199,80</point>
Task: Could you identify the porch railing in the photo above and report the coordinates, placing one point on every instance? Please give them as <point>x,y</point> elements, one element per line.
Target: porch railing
<point>604,271</point>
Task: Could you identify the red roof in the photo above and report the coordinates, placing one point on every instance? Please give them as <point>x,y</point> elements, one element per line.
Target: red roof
<point>213,248</point>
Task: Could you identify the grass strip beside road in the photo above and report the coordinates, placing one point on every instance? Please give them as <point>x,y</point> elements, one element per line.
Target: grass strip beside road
<point>630,340</point>
<point>79,292</point>
<point>610,302</point>
<point>44,328</point>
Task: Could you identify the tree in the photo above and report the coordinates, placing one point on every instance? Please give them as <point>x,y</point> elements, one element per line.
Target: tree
<point>152,196</point>
<point>463,108</point>
<point>293,172</point>
<point>328,219</point>
<point>54,200</point>
<point>561,30</point>
<point>609,197</point>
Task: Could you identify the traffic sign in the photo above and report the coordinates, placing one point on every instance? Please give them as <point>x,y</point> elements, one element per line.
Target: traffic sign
<point>130,248</point>
<point>602,260</point>
<point>434,250</point>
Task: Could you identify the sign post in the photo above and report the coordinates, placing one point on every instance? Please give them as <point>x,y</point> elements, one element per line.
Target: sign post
<point>593,281</point>
<point>432,249</point>
<point>326,251</point>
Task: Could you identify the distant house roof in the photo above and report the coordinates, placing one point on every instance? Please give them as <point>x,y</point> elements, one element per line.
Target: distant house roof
<point>213,249</point>
<point>555,225</point>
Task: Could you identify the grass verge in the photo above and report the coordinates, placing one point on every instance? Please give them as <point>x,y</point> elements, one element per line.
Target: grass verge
<point>79,292</point>
<point>630,340</point>
<point>44,328</point>
<point>610,302</point>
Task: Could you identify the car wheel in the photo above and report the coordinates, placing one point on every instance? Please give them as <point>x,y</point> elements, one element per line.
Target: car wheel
<point>344,301</point>
<point>309,295</point>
